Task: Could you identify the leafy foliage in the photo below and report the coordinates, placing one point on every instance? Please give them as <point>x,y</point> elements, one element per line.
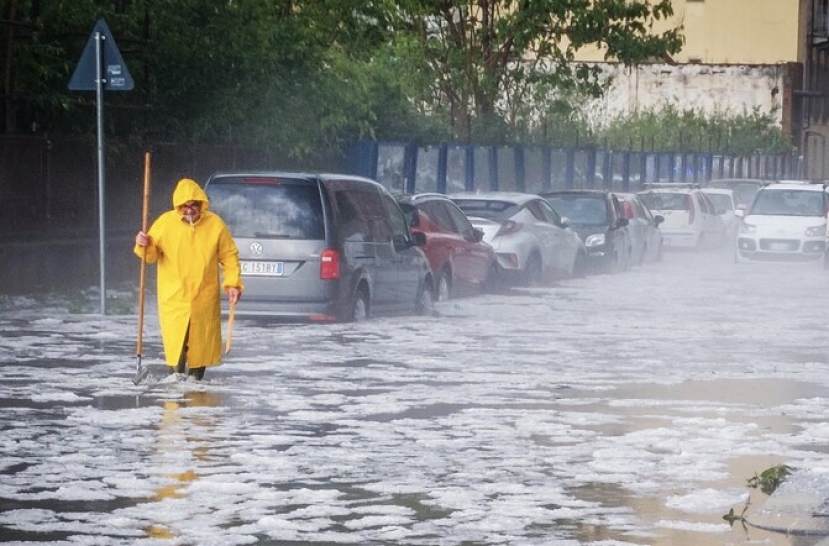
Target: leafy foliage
<point>671,129</point>
<point>298,79</point>
<point>771,478</point>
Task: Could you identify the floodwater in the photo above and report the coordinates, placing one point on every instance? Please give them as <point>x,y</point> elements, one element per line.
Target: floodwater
<point>613,410</point>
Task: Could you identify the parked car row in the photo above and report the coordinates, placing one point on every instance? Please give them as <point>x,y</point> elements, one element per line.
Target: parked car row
<point>330,247</point>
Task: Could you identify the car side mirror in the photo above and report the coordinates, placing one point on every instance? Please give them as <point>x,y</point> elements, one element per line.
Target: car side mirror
<point>658,219</point>
<point>477,235</point>
<point>622,222</point>
<point>401,243</point>
<point>740,212</point>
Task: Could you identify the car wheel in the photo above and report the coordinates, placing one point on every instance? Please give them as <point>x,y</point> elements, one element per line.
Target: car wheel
<point>359,307</point>
<point>442,292</point>
<point>494,279</point>
<point>533,271</point>
<point>580,266</point>
<point>425,300</point>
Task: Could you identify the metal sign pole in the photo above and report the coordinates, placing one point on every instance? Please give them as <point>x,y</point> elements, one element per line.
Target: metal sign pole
<point>107,71</point>
<point>99,98</point>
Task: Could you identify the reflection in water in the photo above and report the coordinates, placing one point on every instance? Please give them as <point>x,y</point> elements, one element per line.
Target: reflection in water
<point>179,432</point>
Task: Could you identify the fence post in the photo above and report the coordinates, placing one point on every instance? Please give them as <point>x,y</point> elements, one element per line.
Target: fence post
<point>493,168</point>
<point>570,169</point>
<point>626,172</point>
<point>443,157</point>
<point>546,168</point>
<point>590,180</point>
<point>409,168</point>
<point>518,151</point>
<point>469,168</point>
<point>362,158</point>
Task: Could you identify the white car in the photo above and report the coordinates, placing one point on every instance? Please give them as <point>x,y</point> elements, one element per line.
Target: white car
<point>691,220</point>
<point>786,222</point>
<point>744,188</point>
<point>643,226</point>
<point>531,242</point>
<point>726,206</point>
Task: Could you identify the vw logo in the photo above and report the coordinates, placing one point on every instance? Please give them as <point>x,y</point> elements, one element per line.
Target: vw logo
<point>256,248</point>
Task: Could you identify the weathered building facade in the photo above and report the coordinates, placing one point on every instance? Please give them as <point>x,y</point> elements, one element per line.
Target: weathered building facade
<point>770,56</point>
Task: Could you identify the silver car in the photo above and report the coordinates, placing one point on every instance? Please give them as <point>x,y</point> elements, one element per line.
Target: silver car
<point>643,226</point>
<point>531,242</point>
<point>321,247</point>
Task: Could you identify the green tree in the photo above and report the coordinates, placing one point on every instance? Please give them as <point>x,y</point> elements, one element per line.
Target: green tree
<point>487,60</point>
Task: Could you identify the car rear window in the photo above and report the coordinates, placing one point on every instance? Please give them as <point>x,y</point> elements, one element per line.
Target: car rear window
<point>484,208</point>
<point>580,209</point>
<point>666,201</point>
<point>721,201</point>
<point>268,208</point>
<point>744,192</point>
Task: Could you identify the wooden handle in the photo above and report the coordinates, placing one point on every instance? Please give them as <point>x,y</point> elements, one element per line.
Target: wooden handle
<point>230,326</point>
<point>145,220</point>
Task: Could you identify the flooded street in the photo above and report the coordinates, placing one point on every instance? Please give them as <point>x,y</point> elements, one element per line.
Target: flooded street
<point>613,410</point>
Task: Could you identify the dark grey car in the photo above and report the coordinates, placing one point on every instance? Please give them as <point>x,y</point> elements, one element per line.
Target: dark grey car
<point>321,247</point>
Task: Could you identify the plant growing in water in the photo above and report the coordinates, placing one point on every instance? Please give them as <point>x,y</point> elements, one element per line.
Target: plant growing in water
<point>767,481</point>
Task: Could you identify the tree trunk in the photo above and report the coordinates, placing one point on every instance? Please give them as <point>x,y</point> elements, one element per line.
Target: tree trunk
<point>9,122</point>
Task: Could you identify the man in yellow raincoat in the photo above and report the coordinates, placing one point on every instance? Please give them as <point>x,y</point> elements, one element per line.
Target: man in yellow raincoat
<point>188,244</point>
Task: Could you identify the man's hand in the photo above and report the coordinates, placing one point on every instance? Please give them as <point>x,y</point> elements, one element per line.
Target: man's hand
<point>142,239</point>
<point>233,294</point>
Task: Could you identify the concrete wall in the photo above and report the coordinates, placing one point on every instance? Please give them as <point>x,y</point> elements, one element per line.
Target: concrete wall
<point>707,88</point>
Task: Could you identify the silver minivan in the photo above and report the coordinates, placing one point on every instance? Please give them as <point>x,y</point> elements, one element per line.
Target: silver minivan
<point>321,247</point>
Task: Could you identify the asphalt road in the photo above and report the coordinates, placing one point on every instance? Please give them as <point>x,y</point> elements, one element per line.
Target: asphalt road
<point>615,409</point>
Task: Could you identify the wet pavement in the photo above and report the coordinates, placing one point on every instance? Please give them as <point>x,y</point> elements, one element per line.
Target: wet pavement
<point>616,409</point>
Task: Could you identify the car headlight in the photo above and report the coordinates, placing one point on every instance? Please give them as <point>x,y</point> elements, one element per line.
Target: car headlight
<point>597,239</point>
<point>816,231</point>
<point>748,229</point>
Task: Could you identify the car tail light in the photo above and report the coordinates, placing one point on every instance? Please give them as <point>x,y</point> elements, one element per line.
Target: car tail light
<point>508,228</point>
<point>690,209</point>
<point>511,259</point>
<point>329,265</point>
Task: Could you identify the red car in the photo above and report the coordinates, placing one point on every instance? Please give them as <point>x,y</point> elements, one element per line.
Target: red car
<point>461,262</point>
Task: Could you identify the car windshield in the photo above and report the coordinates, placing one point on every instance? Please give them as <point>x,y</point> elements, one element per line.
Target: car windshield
<point>666,200</point>
<point>483,208</point>
<point>770,202</point>
<point>580,209</point>
<point>744,192</point>
<point>284,209</point>
<point>722,202</point>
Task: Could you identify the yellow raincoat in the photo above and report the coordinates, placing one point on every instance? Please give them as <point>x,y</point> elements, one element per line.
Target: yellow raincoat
<point>188,259</point>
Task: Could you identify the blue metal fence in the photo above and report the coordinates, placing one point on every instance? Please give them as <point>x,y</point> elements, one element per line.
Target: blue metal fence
<point>449,168</point>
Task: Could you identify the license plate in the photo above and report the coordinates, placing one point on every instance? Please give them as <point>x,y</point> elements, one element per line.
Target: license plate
<point>264,269</point>
<point>779,247</point>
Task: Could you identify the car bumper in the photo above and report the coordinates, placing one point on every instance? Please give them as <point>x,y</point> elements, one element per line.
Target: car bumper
<point>679,239</point>
<point>599,258</point>
<point>781,250</point>
<point>324,311</point>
